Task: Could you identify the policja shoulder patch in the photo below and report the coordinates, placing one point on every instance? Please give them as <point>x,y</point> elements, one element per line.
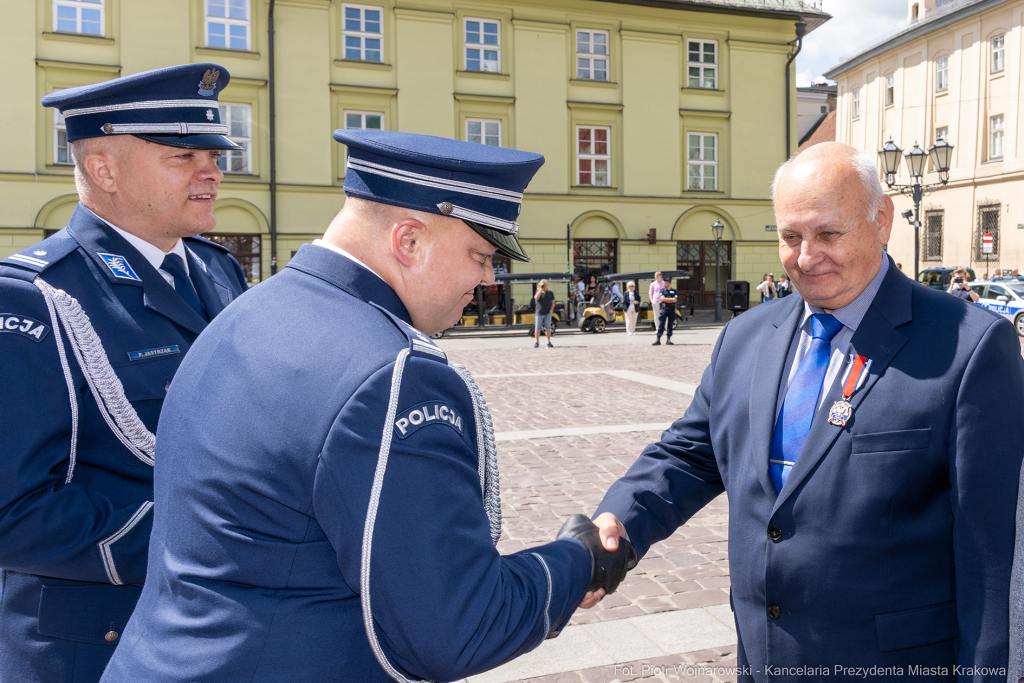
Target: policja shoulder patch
<point>428,413</point>
<point>26,327</point>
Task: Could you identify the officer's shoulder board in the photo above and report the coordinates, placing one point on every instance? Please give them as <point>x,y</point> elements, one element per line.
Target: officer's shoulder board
<point>420,345</point>
<point>30,262</point>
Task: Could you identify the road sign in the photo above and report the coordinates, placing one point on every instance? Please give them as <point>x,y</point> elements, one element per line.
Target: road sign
<point>986,243</point>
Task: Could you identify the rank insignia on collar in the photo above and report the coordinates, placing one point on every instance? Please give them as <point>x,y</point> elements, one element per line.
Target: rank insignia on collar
<point>209,82</point>
<point>119,266</point>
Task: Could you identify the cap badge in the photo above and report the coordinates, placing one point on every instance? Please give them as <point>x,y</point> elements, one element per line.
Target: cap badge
<point>209,82</point>
<point>446,208</point>
<point>209,115</point>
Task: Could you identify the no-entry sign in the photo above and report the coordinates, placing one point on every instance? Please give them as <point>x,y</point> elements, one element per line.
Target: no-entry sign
<point>986,243</point>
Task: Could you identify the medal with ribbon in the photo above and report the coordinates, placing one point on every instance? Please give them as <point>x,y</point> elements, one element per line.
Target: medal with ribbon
<point>856,375</point>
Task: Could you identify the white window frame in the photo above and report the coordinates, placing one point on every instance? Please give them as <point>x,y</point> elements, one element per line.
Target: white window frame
<point>60,127</point>
<point>701,65</point>
<point>890,90</point>
<point>467,46</point>
<point>483,130</point>
<point>244,140</point>
<point>701,162</point>
<point>362,118</point>
<point>996,127</point>
<point>593,156</point>
<point>592,57</point>
<point>942,73</point>
<point>362,35</point>
<point>997,64</point>
<point>78,6</point>
<point>228,23</point>
<point>942,133</point>
<point>855,104</point>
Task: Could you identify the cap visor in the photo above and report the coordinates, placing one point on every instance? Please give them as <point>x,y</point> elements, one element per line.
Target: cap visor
<point>202,141</point>
<point>504,243</point>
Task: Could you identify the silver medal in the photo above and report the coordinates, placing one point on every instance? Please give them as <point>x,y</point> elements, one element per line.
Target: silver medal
<point>841,412</point>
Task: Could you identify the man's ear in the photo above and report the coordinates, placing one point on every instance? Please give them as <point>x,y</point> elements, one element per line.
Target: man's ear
<point>886,213</point>
<point>406,237</point>
<point>101,169</point>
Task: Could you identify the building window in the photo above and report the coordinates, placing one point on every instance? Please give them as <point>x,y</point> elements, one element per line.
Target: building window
<point>933,235</point>
<point>702,64</point>
<point>942,74</point>
<point>364,120</point>
<point>363,33</point>
<point>78,16</point>
<point>61,149</point>
<point>998,53</point>
<point>484,131</point>
<point>890,90</point>
<point>238,119</point>
<point>855,106</point>
<point>593,257</point>
<point>592,55</point>
<point>702,161</point>
<point>942,133</point>
<point>996,137</point>
<point>593,156</point>
<point>483,45</point>
<point>227,24</point>
<point>988,222</point>
<point>245,249</point>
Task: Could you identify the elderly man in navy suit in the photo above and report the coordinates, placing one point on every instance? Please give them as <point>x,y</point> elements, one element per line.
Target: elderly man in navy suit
<point>871,486</point>
<point>95,321</point>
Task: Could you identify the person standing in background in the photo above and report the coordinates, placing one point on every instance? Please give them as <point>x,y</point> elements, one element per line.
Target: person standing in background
<point>958,287</point>
<point>667,319</point>
<point>654,294</point>
<point>545,302</point>
<point>767,288</point>
<point>783,288</point>
<point>631,307</point>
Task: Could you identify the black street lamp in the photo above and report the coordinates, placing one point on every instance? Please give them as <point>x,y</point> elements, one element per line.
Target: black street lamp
<point>717,228</point>
<point>941,153</point>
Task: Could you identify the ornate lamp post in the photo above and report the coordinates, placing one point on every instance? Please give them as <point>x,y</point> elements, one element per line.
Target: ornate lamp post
<point>717,228</point>
<point>941,153</point>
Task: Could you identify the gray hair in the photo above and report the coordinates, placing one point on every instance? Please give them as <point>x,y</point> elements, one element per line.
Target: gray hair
<point>79,149</point>
<point>866,170</point>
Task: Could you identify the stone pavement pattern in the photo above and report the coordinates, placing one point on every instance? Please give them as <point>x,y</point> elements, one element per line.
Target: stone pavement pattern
<point>547,479</point>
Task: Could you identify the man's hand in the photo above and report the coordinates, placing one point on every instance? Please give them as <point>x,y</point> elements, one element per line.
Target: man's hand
<point>611,557</point>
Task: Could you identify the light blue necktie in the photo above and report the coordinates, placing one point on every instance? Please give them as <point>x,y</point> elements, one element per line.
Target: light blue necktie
<point>801,400</point>
<point>182,284</point>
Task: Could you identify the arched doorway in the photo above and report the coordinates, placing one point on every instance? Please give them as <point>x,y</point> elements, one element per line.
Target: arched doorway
<point>695,252</point>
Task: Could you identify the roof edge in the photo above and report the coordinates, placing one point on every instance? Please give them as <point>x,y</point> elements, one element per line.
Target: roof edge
<point>813,18</point>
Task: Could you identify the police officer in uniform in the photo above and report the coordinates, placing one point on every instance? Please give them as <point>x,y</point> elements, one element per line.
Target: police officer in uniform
<point>326,480</point>
<point>667,316</point>
<point>94,322</point>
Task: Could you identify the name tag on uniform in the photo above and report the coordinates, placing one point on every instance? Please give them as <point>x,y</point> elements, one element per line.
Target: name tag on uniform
<point>26,327</point>
<point>432,412</point>
<point>153,353</point>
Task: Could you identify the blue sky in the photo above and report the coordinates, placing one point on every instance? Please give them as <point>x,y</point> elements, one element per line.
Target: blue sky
<point>854,24</point>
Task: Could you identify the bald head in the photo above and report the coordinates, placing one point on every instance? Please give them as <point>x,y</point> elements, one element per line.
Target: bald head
<point>833,219</point>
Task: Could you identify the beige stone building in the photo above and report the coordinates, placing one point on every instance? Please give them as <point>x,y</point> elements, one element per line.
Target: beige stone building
<point>953,72</point>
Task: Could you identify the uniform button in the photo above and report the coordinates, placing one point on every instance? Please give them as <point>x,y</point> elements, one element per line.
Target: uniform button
<point>553,634</point>
<point>167,387</point>
<point>111,636</point>
<point>774,612</point>
<point>774,533</point>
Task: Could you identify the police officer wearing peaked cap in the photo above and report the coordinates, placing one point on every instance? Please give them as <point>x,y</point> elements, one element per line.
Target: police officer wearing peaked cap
<point>326,486</point>
<point>94,322</point>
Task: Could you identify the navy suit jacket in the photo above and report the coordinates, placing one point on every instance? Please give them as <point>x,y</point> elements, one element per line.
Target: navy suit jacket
<point>74,534</point>
<point>892,541</point>
<point>306,405</point>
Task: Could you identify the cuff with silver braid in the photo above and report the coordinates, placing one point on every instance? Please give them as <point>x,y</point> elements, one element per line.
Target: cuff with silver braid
<point>609,568</point>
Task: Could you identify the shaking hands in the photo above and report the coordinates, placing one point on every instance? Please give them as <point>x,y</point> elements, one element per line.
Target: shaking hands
<point>611,557</point>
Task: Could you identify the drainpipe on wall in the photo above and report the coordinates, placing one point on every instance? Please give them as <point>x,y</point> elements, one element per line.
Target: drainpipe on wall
<point>273,142</point>
<point>801,31</point>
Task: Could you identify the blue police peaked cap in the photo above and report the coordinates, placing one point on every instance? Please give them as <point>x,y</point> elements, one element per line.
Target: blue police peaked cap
<point>176,106</point>
<point>481,184</point>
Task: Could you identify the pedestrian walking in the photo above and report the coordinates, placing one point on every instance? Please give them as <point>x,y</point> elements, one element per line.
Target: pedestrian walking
<point>654,294</point>
<point>631,307</point>
<point>959,288</point>
<point>767,288</point>
<point>667,319</point>
<point>544,301</point>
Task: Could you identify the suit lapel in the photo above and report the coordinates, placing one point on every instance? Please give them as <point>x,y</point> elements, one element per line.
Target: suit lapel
<point>877,340</point>
<point>213,295</point>
<point>764,388</point>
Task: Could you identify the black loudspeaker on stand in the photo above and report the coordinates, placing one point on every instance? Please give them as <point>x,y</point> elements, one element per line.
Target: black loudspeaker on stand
<point>737,295</point>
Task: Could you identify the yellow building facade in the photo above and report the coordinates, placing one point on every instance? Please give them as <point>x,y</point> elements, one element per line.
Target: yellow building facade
<point>656,119</point>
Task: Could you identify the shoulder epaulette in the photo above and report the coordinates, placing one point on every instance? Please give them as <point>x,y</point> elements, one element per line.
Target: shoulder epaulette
<point>36,259</point>
<point>211,243</point>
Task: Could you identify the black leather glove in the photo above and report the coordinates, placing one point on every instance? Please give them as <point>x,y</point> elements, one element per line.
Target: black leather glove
<point>608,568</point>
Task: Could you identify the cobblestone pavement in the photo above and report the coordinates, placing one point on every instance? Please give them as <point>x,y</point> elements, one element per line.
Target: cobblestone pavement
<point>545,480</point>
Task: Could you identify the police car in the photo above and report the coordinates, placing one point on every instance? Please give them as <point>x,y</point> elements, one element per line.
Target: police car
<point>1005,297</point>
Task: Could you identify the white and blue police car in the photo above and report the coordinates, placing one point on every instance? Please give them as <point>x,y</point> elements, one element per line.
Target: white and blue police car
<point>1005,297</point>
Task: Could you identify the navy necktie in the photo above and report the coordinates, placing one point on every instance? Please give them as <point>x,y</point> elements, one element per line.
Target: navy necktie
<point>801,400</point>
<point>182,284</point>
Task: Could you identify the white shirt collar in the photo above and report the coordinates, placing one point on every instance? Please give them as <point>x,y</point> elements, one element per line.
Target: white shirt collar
<point>152,253</point>
<point>335,248</point>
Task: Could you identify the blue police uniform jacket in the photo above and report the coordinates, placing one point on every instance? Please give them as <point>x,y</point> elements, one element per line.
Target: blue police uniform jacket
<point>326,503</point>
<point>90,337</point>
<point>891,543</point>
